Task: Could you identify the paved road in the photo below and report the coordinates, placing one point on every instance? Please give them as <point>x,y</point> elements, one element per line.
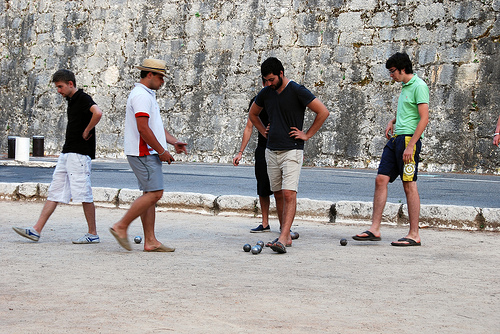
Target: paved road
<point>333,184</point>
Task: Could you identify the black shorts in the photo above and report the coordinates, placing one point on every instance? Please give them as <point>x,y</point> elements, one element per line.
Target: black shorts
<point>263,185</point>
<point>391,163</point>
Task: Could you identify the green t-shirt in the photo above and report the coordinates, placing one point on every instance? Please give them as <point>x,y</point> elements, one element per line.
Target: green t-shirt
<point>412,94</point>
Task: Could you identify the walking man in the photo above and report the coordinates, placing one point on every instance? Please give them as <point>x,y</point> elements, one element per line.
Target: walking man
<point>401,153</point>
<point>71,178</point>
<point>285,102</point>
<point>146,148</point>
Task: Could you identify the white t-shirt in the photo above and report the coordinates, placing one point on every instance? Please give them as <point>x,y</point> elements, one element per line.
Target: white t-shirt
<point>142,102</point>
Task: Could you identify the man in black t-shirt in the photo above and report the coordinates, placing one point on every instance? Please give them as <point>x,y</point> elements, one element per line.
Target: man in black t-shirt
<point>71,178</point>
<point>285,102</point>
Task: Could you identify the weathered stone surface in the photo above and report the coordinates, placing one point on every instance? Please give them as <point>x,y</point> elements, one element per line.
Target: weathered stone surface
<point>105,196</point>
<point>314,209</point>
<point>127,196</point>
<point>491,220</point>
<point>363,211</point>
<point>188,201</point>
<point>8,191</point>
<point>43,190</point>
<point>336,48</point>
<point>449,216</point>
<point>234,203</point>
<point>28,190</point>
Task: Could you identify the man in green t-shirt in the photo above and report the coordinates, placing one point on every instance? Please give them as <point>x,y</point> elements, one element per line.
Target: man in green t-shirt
<point>401,153</point>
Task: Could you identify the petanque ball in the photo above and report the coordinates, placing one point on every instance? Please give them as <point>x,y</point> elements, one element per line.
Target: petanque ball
<point>260,243</point>
<point>138,239</point>
<point>247,247</point>
<point>256,249</point>
<point>343,242</point>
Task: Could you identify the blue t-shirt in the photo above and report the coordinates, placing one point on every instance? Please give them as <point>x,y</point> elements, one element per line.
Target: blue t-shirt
<point>285,110</point>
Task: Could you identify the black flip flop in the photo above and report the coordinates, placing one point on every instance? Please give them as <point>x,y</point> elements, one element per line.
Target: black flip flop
<point>369,237</point>
<point>278,247</point>
<point>406,242</point>
<point>270,243</point>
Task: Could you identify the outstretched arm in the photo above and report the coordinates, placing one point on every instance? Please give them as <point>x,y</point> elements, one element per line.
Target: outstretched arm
<point>496,136</point>
<point>178,145</point>
<point>247,133</point>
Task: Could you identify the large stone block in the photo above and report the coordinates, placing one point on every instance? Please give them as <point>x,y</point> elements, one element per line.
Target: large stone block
<point>227,204</point>
<point>193,202</point>
<point>127,196</point>
<point>491,220</point>
<point>429,13</point>
<point>105,196</point>
<point>315,209</point>
<point>8,190</point>
<point>448,216</point>
<point>364,210</point>
<point>28,190</point>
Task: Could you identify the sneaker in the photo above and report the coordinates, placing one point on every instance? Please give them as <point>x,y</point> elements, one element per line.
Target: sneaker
<point>27,233</point>
<point>260,229</point>
<point>87,239</point>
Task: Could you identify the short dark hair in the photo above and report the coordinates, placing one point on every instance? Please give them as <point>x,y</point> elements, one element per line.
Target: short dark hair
<point>145,73</point>
<point>64,76</point>
<point>400,61</point>
<point>271,65</point>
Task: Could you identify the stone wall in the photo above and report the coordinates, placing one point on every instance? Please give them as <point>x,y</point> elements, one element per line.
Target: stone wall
<point>336,48</point>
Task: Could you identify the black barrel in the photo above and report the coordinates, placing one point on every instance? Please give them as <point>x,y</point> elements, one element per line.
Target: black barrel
<point>11,143</point>
<point>38,146</point>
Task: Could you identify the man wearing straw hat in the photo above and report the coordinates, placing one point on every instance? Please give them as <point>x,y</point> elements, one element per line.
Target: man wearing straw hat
<point>146,148</point>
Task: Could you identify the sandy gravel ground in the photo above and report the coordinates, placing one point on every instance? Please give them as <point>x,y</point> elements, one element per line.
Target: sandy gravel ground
<point>209,285</point>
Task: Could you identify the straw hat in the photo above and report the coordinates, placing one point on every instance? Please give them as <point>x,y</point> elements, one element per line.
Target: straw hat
<point>153,65</point>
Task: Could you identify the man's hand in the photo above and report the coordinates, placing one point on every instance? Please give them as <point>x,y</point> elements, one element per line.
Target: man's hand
<point>267,130</point>
<point>166,157</point>
<point>496,140</point>
<point>298,134</point>
<point>236,159</point>
<point>407,154</point>
<point>389,130</point>
<point>180,147</point>
<point>86,135</point>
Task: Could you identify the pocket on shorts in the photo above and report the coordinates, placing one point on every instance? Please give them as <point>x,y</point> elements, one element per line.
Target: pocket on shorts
<point>299,156</point>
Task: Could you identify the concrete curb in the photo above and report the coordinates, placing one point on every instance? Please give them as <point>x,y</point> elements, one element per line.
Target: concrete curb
<point>437,216</point>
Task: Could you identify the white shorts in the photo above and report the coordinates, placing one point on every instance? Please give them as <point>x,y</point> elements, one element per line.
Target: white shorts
<point>71,179</point>
<point>283,168</point>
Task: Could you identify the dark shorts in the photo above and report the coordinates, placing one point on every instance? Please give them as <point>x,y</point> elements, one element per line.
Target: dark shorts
<point>391,163</point>
<point>147,170</point>
<point>263,186</point>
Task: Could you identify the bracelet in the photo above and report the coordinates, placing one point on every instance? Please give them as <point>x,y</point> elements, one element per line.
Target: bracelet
<point>240,151</point>
<point>496,134</point>
<point>162,153</point>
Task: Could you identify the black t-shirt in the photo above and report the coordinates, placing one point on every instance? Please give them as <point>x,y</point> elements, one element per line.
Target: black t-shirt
<point>285,110</point>
<point>261,141</point>
<point>79,116</point>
